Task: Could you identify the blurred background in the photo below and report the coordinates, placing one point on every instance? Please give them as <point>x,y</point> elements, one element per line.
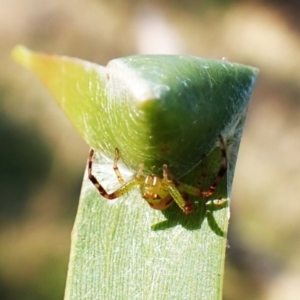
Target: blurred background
<point>43,158</point>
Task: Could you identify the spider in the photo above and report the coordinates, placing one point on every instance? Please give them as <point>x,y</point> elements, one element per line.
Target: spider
<point>159,192</point>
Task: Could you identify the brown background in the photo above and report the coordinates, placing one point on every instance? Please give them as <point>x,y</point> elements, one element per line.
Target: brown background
<point>43,158</point>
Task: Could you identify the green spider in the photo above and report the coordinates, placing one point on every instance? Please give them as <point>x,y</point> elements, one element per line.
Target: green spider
<point>159,192</point>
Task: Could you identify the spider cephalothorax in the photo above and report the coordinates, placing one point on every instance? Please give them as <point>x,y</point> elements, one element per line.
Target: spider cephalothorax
<point>159,192</point>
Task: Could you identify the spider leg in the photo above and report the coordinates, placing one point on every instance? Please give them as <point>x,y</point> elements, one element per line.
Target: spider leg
<point>203,175</point>
<point>180,198</point>
<point>220,174</point>
<point>139,174</point>
<point>223,168</point>
<point>119,192</point>
<point>116,169</point>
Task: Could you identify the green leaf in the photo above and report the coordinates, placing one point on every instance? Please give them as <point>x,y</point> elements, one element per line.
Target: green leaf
<point>156,110</point>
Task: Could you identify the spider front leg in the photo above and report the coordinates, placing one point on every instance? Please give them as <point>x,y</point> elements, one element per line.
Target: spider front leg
<point>222,171</point>
<point>181,198</point>
<point>119,192</point>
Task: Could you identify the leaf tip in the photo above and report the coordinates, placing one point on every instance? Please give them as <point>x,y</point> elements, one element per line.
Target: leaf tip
<point>255,71</point>
<point>21,55</point>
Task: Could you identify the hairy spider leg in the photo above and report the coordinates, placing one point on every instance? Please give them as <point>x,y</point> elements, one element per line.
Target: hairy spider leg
<point>180,198</point>
<point>119,192</point>
<point>223,168</point>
